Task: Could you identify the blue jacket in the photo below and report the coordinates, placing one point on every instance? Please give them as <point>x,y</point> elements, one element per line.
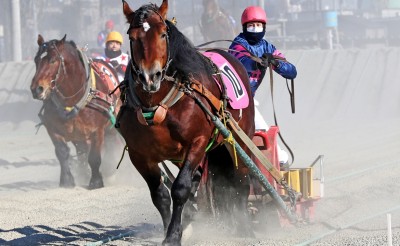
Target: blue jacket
<point>257,73</point>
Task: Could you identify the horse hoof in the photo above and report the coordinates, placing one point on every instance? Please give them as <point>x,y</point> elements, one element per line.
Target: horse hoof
<point>67,182</point>
<point>170,243</point>
<point>96,184</point>
<point>67,185</point>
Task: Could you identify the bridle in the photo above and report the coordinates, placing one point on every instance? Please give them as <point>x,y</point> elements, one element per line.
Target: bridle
<point>55,82</point>
<point>136,71</point>
<point>61,65</point>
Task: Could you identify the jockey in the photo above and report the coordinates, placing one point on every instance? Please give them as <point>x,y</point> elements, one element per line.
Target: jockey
<point>114,55</point>
<point>251,39</point>
<point>101,37</point>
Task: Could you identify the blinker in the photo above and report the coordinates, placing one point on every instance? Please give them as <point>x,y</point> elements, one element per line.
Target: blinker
<point>43,55</point>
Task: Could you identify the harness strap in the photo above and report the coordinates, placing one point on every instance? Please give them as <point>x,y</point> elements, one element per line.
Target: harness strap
<point>88,93</point>
<point>108,112</point>
<point>85,62</point>
<point>197,86</point>
<point>160,114</point>
<point>173,96</point>
<point>157,114</point>
<point>161,110</point>
<point>170,99</point>
<point>273,107</point>
<point>250,55</point>
<point>292,98</point>
<point>256,152</point>
<point>104,96</point>
<point>218,78</point>
<point>71,111</point>
<point>258,60</point>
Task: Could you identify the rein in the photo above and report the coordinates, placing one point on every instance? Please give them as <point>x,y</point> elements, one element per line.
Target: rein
<point>271,79</point>
<point>250,54</point>
<point>89,86</point>
<point>61,65</point>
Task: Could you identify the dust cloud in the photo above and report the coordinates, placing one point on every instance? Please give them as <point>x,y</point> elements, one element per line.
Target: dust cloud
<point>347,109</point>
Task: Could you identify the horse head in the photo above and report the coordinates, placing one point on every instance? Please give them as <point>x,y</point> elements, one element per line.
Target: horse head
<point>149,44</point>
<point>211,8</point>
<point>53,59</point>
<point>49,68</point>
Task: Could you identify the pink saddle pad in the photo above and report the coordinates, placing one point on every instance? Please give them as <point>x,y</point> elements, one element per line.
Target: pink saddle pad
<point>239,98</point>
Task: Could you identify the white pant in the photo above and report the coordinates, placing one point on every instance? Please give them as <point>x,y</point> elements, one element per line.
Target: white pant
<point>262,125</point>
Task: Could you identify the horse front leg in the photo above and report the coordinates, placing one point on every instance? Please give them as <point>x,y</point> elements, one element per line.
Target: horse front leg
<point>190,210</point>
<point>181,191</point>
<point>241,183</point>
<point>160,196</point>
<point>82,150</point>
<point>63,153</point>
<point>97,140</point>
<point>161,199</point>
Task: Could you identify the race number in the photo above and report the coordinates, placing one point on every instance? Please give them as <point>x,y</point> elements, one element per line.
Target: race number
<point>237,87</point>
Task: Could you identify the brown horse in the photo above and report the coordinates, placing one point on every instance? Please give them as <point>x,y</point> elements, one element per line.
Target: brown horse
<point>76,105</point>
<point>169,88</point>
<point>216,24</point>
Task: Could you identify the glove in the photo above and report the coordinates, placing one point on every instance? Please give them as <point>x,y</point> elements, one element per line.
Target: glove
<point>114,64</point>
<point>264,62</point>
<point>120,70</point>
<point>268,58</point>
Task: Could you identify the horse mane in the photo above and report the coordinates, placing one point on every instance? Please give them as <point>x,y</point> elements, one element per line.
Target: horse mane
<point>47,44</point>
<point>186,59</point>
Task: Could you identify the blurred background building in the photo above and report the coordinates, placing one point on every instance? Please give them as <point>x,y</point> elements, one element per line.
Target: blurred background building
<point>293,24</point>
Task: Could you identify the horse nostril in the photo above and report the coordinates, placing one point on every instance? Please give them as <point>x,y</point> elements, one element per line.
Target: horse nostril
<point>157,76</point>
<point>39,90</point>
<point>142,78</point>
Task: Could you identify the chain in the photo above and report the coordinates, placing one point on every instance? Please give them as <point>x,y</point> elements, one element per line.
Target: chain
<point>292,195</point>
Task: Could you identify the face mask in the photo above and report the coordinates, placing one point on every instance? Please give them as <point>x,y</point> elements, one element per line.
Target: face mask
<point>253,34</point>
<point>255,29</point>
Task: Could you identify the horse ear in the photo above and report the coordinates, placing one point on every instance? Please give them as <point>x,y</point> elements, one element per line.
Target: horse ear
<point>128,12</point>
<point>40,40</point>
<point>163,9</point>
<point>63,39</point>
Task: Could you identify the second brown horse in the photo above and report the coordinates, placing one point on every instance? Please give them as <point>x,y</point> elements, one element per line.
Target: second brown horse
<point>76,105</point>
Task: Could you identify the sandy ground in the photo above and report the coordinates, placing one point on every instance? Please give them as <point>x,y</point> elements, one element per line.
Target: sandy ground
<point>351,117</point>
<point>361,173</point>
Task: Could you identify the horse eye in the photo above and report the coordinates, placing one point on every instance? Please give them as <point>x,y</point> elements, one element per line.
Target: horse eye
<point>164,35</point>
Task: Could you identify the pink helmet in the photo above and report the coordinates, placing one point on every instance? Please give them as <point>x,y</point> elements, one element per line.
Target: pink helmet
<point>110,24</point>
<point>254,13</point>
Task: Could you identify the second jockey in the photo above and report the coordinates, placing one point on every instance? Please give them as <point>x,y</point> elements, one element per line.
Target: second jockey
<point>114,55</point>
